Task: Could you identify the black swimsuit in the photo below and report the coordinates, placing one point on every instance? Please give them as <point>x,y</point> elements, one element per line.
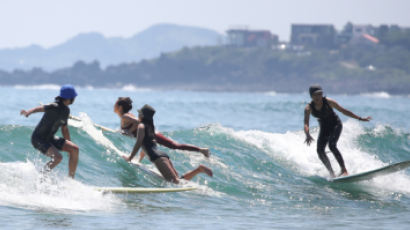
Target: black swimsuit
<point>330,130</point>
<point>55,115</point>
<point>326,116</point>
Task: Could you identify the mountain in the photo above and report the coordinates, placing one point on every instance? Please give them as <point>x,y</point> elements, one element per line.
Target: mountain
<point>88,47</point>
<point>350,70</point>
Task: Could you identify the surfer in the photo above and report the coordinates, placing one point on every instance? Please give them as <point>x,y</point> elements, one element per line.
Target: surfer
<point>145,135</point>
<point>55,116</point>
<point>129,124</point>
<point>330,126</point>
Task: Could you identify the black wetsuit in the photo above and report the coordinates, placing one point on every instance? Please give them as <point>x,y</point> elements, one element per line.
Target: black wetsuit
<point>330,130</point>
<point>150,146</point>
<point>55,115</point>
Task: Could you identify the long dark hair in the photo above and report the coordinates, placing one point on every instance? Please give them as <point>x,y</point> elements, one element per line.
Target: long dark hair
<point>147,113</point>
<point>125,103</point>
<point>149,128</point>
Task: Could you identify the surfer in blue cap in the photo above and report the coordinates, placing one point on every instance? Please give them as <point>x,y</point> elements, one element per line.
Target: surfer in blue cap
<point>145,135</point>
<point>55,116</point>
<point>330,126</point>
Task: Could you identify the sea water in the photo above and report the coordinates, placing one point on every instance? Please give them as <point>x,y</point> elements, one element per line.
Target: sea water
<point>265,177</point>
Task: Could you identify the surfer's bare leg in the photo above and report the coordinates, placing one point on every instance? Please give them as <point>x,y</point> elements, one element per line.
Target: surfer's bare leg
<point>200,169</point>
<point>56,158</point>
<point>73,152</point>
<point>169,143</point>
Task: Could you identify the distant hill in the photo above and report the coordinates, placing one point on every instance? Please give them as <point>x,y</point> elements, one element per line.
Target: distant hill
<point>224,68</point>
<point>88,47</point>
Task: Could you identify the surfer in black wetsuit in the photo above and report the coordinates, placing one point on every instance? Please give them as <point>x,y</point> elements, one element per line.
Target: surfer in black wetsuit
<point>330,126</point>
<point>145,135</point>
<point>55,116</point>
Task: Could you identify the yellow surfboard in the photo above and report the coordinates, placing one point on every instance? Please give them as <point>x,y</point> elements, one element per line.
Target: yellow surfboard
<point>142,189</point>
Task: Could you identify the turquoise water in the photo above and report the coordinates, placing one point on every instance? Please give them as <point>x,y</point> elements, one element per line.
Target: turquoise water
<point>265,177</point>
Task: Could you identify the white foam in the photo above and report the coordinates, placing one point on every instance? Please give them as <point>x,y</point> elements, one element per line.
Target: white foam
<point>89,87</point>
<point>271,93</point>
<point>39,87</point>
<point>134,88</point>
<point>381,129</point>
<point>87,125</point>
<point>377,95</point>
<point>21,185</point>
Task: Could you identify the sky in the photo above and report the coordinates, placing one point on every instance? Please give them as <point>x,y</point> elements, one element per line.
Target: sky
<point>51,22</point>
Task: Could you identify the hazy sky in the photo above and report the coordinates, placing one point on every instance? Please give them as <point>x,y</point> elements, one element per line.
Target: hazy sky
<point>50,22</point>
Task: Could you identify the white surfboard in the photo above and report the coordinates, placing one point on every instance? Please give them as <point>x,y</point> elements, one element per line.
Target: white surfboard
<point>373,173</point>
<point>142,189</point>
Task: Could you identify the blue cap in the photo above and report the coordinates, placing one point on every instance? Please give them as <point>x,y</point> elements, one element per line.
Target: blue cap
<point>67,92</point>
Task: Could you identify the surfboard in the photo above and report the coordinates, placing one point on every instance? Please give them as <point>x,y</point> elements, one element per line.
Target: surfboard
<point>373,173</point>
<point>142,189</point>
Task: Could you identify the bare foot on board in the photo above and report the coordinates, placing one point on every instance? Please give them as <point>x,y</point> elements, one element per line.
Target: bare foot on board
<point>344,173</point>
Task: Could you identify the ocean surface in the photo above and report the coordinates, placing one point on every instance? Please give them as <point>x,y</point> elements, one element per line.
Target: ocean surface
<point>265,177</point>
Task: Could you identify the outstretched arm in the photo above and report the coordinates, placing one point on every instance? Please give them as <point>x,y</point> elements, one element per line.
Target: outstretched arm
<point>309,138</point>
<point>33,110</point>
<point>346,112</point>
<point>138,143</point>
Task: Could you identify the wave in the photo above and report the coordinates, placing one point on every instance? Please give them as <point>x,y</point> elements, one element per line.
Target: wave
<point>289,150</point>
<point>271,93</point>
<point>134,88</point>
<point>22,185</point>
<point>247,164</point>
<point>98,136</point>
<point>38,87</point>
<point>377,95</point>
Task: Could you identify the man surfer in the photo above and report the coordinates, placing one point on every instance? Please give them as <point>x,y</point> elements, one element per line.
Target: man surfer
<point>330,126</point>
<point>55,116</point>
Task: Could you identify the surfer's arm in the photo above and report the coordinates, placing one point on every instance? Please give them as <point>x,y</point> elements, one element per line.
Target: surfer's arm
<point>309,138</point>
<point>65,132</point>
<point>138,143</point>
<point>346,112</point>
<point>33,110</point>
